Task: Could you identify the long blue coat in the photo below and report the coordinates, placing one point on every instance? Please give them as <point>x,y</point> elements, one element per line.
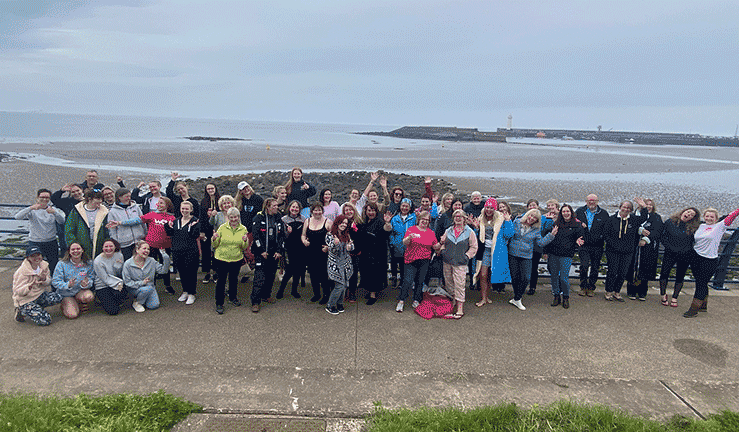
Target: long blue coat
<point>499,270</point>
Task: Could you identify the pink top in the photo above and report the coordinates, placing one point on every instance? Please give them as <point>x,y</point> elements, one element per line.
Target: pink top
<point>332,210</point>
<point>421,247</point>
<point>157,237</point>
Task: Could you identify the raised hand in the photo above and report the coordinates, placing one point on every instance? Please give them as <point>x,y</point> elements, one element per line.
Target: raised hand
<point>580,241</point>
<point>388,217</point>
<point>555,230</point>
<point>374,176</point>
<point>175,175</point>
<point>383,181</point>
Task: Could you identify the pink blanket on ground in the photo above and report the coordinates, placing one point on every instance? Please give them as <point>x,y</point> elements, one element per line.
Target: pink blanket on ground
<point>434,306</point>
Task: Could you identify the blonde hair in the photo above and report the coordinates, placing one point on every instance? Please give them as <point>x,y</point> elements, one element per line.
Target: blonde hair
<point>711,210</point>
<point>357,219</point>
<point>225,198</point>
<point>532,212</point>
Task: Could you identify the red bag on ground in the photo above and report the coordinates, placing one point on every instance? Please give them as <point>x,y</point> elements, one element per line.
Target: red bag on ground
<point>434,306</point>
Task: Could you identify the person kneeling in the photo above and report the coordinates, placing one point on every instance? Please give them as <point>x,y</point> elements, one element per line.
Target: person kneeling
<point>30,284</point>
<point>73,280</point>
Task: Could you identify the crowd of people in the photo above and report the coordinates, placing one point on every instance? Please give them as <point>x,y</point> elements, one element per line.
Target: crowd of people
<point>117,242</point>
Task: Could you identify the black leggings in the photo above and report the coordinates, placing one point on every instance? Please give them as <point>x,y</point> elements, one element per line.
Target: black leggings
<point>703,270</point>
<point>679,259</point>
<point>157,255</point>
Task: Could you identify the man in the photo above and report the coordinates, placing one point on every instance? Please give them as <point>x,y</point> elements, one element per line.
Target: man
<point>593,219</point>
<point>91,181</point>
<point>42,232</point>
<point>149,201</point>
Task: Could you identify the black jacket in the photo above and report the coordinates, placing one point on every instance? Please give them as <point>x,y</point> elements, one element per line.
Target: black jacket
<point>184,238</point>
<point>594,235</point>
<point>269,234</point>
<point>564,242</point>
<point>622,238</point>
<point>676,238</point>
<point>299,194</point>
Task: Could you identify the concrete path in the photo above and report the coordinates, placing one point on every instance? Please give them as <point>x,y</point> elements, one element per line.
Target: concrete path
<point>294,359</point>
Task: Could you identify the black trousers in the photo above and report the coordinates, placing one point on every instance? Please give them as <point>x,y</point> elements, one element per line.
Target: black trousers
<point>111,299</point>
<point>264,278</point>
<point>187,264</point>
<point>618,269</point>
<point>519,275</point>
<point>230,270</point>
<point>157,255</point>
<point>534,276</point>
<point>703,270</point>
<point>680,260</point>
<point>589,265</point>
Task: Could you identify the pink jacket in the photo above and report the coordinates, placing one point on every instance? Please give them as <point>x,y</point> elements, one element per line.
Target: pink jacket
<point>157,237</point>
<point>27,285</point>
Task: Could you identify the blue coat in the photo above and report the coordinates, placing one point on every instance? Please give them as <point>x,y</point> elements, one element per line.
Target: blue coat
<point>499,270</point>
<point>398,232</point>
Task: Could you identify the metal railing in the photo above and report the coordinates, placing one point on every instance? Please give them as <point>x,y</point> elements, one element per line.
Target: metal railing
<point>21,246</point>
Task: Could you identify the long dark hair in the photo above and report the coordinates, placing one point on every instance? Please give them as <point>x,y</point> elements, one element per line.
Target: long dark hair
<point>344,236</point>
<point>561,223</point>
<point>321,199</point>
<point>205,202</point>
<point>84,258</point>
<point>692,225</point>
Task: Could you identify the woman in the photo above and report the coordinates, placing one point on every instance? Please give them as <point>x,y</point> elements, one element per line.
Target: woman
<point>30,289</point>
<point>677,238</point>
<point>86,223</point>
<point>184,232</point>
<point>179,193</point>
<point>314,237</point>
<point>297,189</point>
<point>546,226</point>
<point>268,249</point>
<point>331,208</point>
<point>621,234</point>
<point>355,222</point>
<point>568,235</point>
<point>420,243</point>
<point>458,246</point>
<point>125,210</point>
<point>403,220</point>
<point>157,236</point>
<point>644,265</point>
<point>527,234</point>
<point>495,229</point>
<point>280,194</point>
<point>225,202</point>
<point>707,240</point>
<point>229,242</point>
<point>295,253</point>
<point>73,280</point>
<point>109,277</point>
<point>446,218</point>
<point>374,234</point>
<point>108,197</point>
<point>339,263</point>
<point>139,272</point>
<point>504,207</point>
<point>208,208</point>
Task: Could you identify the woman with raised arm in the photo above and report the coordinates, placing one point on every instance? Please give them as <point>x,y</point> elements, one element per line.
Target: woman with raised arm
<point>374,234</point>
<point>568,236</point>
<point>338,245</point>
<point>178,192</point>
<point>297,189</point>
<point>494,231</point>
<point>73,280</point>
<point>527,235</point>
<point>31,283</point>
<point>644,265</point>
<point>109,277</point>
<point>705,262</point>
<point>229,242</point>
<point>458,246</point>
<point>184,232</point>
<point>208,208</point>
<point>295,252</point>
<point>314,238</point>
<point>138,276</point>
<point>678,237</point>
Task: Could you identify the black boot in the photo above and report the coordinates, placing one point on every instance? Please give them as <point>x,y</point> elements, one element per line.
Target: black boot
<point>556,301</point>
<point>566,302</point>
<point>704,306</point>
<point>694,307</point>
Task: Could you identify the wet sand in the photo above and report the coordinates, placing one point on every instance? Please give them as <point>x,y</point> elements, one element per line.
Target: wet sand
<point>567,172</point>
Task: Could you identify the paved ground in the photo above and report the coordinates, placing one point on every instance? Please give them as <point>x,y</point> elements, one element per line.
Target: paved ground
<point>295,359</point>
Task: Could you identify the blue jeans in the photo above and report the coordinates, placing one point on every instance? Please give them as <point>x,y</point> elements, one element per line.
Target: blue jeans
<point>337,295</point>
<point>415,273</point>
<point>146,295</point>
<point>559,269</point>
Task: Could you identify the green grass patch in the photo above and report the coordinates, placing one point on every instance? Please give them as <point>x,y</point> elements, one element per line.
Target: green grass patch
<point>113,413</point>
<point>560,416</point>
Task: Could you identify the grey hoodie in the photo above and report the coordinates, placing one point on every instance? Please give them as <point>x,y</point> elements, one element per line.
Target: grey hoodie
<point>42,227</point>
<point>133,275</point>
<point>129,234</point>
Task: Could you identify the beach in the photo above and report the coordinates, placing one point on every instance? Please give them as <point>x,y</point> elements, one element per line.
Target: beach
<point>675,176</point>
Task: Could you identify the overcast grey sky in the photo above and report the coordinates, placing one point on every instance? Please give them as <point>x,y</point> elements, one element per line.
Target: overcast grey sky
<point>638,65</point>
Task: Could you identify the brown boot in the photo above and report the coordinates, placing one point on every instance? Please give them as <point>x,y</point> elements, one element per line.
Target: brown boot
<point>694,306</point>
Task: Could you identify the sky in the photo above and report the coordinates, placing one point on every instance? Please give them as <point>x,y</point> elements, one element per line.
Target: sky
<point>625,65</point>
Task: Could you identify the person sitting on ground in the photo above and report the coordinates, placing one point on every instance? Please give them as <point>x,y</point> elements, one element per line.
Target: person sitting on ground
<point>42,232</point>
<point>138,276</point>
<point>73,279</point>
<point>109,277</point>
<point>31,284</point>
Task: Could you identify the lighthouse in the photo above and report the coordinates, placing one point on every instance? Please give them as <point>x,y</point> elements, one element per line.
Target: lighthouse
<point>510,121</point>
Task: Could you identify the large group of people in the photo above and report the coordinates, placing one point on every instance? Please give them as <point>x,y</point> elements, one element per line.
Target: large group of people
<point>117,243</point>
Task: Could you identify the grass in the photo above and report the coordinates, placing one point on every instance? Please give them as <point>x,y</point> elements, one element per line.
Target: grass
<point>560,416</point>
<point>113,413</point>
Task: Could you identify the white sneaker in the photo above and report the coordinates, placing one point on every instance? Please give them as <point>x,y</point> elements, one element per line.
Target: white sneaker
<point>190,299</point>
<point>415,304</point>
<point>177,277</point>
<point>399,307</point>
<point>138,307</point>
<point>517,303</point>
<point>183,297</point>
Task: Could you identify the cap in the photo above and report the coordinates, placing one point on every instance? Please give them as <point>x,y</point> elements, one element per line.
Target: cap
<point>242,185</point>
<point>33,250</point>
